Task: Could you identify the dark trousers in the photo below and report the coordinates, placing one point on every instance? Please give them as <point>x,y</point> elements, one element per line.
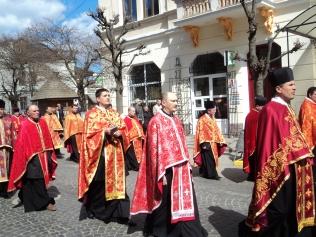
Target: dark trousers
<point>34,195</point>
<point>74,156</point>
<point>158,223</point>
<point>208,167</point>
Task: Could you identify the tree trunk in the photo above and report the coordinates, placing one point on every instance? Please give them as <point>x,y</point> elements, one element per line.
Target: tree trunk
<point>259,82</point>
<point>119,95</point>
<point>82,99</point>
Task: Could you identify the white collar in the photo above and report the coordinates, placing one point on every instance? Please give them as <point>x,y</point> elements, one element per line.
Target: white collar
<point>279,100</point>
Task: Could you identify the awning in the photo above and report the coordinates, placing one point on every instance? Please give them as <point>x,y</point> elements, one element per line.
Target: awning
<point>304,24</point>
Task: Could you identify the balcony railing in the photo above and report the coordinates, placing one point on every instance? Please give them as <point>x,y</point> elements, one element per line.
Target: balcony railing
<point>191,8</point>
<point>196,8</point>
<point>228,3</point>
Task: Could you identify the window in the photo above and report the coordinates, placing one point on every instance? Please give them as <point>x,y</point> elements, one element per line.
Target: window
<point>23,102</point>
<point>130,9</point>
<point>145,83</point>
<point>151,7</point>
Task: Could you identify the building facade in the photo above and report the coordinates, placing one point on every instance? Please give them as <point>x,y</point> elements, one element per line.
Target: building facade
<point>191,44</point>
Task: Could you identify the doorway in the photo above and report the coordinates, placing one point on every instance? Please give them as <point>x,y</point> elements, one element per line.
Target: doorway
<point>210,87</point>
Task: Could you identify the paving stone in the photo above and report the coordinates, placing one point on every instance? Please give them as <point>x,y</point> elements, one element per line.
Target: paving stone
<point>222,205</point>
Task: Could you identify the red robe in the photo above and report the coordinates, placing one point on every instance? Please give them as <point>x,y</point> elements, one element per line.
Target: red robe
<point>33,139</point>
<point>251,124</point>
<point>208,131</point>
<point>7,139</point>
<point>17,121</point>
<point>94,141</point>
<point>280,143</point>
<point>136,135</point>
<point>307,119</point>
<point>165,147</point>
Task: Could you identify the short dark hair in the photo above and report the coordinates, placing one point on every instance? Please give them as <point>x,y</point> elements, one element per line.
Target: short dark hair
<point>311,91</point>
<point>99,92</point>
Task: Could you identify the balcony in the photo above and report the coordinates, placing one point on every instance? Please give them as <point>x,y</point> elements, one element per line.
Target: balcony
<point>192,8</point>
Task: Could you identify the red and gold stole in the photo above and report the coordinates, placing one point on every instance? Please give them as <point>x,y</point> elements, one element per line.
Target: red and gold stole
<point>136,135</point>
<point>208,131</point>
<point>93,142</point>
<point>281,143</point>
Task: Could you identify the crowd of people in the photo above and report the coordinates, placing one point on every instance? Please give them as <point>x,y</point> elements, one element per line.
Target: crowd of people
<point>279,158</point>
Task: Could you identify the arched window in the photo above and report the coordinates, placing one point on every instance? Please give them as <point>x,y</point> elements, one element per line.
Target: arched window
<point>151,7</point>
<point>130,9</point>
<point>145,83</point>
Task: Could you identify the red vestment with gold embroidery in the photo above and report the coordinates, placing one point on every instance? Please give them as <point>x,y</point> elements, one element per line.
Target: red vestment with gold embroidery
<point>55,129</point>
<point>280,143</point>
<point>17,121</point>
<point>208,131</point>
<point>7,139</point>
<point>135,135</point>
<point>93,143</point>
<point>33,139</point>
<point>307,119</point>
<point>251,124</point>
<point>165,147</point>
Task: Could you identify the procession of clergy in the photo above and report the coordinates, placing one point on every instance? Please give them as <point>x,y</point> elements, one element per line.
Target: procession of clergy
<point>279,153</point>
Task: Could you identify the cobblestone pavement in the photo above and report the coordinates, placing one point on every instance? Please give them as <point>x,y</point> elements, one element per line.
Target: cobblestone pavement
<point>222,205</point>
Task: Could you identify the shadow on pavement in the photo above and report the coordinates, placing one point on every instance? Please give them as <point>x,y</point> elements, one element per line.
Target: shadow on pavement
<point>53,191</point>
<point>138,223</point>
<point>234,174</point>
<point>225,221</point>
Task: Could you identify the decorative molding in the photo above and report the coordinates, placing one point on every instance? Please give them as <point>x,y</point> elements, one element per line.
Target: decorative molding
<point>194,32</point>
<point>268,15</point>
<point>227,23</point>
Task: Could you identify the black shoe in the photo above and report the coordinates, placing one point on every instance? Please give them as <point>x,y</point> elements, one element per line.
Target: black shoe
<point>217,178</point>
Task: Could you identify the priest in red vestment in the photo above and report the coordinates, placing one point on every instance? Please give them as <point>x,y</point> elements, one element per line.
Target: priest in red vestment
<point>17,119</point>
<point>73,129</point>
<point>307,118</point>
<point>34,163</point>
<point>164,188</point>
<point>136,139</point>
<point>7,139</point>
<point>102,184</point>
<point>283,200</point>
<point>55,129</point>
<point>250,136</point>
<point>209,143</point>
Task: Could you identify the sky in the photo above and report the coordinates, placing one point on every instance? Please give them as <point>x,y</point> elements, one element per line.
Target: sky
<point>16,15</point>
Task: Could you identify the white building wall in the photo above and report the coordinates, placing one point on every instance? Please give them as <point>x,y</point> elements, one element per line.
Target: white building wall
<point>167,41</point>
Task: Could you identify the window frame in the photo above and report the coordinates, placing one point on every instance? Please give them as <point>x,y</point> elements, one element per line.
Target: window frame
<point>152,8</point>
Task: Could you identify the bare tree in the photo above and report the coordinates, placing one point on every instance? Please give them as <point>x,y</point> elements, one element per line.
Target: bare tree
<point>259,67</point>
<point>113,40</point>
<point>18,57</point>
<point>76,52</point>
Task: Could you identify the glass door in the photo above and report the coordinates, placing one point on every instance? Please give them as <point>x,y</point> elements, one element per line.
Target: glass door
<point>210,87</point>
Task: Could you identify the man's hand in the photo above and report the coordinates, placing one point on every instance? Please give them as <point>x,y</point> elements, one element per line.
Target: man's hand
<point>117,134</point>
